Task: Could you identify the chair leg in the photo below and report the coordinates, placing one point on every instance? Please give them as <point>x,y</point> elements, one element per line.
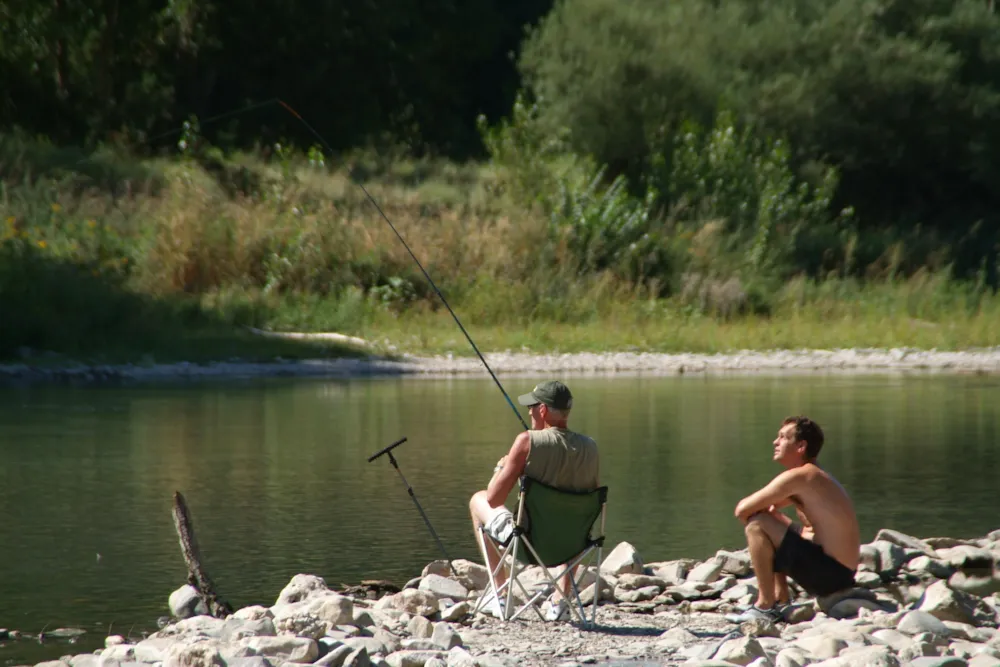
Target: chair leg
<point>597,588</point>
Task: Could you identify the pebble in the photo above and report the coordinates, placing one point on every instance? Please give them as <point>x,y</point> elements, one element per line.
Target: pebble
<point>851,360</point>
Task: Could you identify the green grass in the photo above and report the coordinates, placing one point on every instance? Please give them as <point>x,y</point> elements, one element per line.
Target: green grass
<point>107,259</point>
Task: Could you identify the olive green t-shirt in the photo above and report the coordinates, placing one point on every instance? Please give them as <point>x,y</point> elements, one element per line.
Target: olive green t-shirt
<point>563,459</point>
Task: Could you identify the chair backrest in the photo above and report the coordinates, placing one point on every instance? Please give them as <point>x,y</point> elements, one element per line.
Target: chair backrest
<point>558,523</point>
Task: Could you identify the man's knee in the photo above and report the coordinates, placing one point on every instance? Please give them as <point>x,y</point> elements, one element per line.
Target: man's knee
<point>765,527</point>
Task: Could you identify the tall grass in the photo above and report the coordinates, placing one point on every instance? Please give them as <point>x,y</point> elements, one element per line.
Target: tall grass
<point>125,261</point>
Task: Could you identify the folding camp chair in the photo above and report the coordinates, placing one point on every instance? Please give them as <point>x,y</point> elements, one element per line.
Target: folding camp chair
<point>553,528</point>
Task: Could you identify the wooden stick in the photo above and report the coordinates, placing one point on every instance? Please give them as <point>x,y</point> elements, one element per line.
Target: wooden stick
<point>197,576</point>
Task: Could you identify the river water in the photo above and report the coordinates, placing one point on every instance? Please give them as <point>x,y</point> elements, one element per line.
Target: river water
<point>276,478</point>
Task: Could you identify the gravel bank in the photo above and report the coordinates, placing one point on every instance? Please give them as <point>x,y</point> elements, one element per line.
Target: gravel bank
<point>985,360</point>
<point>916,602</point>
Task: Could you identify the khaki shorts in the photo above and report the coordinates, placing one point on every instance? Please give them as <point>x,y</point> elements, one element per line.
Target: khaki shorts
<point>500,525</point>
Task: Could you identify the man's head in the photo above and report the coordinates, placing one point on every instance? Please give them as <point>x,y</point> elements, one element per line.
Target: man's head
<point>548,403</point>
<point>799,441</point>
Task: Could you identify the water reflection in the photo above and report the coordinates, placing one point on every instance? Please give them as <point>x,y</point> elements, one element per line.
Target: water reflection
<point>276,477</point>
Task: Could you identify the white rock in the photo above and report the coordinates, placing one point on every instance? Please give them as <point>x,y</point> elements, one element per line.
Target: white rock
<point>113,640</point>
<point>735,562</point>
<point>966,556</point>
<point>740,651</point>
<point>964,648</point>
<point>631,582</point>
<point>302,587</point>
<point>916,622</point>
<point>456,612</point>
<point>185,602</point>
<point>938,661</point>
<point>253,613</point>
<point>358,658</point>
<point>623,559</point>
<point>459,657</point>
<point>868,579</point>
<point>674,571</point>
<point>984,660</point>
<point>301,625</point>
<point>707,572</point>
<point>335,609</point>
<point>152,650</point>
<point>894,639</point>
<point>933,566</point>
<point>413,601</point>
<point>293,649</point>
<point>637,595</point>
<point>850,608</point>
<point>472,576</point>
<point>864,656</point>
<point>445,636</point>
<point>891,556</point>
<point>443,587</point>
<point>906,541</point>
<point>969,632</point>
<point>675,638</point>
<point>420,627</point>
<point>121,653</point>
<point>793,657</point>
<point>335,657</point>
<point>950,605</point>
<point>413,658</point>
<point>821,647</point>
<point>199,654</point>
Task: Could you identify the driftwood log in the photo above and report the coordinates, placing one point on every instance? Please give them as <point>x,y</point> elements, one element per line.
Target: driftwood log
<point>197,576</point>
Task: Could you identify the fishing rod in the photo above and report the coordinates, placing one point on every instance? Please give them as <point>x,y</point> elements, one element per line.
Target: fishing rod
<point>284,105</point>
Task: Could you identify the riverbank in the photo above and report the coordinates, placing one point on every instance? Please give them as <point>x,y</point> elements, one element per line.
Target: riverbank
<point>896,360</point>
<point>931,602</point>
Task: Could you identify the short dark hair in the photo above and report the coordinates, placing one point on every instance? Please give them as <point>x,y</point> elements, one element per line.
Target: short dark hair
<point>808,430</point>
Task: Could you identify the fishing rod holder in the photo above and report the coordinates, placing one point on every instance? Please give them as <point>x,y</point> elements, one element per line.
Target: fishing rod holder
<point>387,451</point>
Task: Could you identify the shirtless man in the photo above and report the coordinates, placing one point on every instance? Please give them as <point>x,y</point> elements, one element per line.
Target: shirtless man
<point>822,554</point>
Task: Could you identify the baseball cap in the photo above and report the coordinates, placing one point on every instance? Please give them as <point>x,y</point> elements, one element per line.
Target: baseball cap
<point>552,393</point>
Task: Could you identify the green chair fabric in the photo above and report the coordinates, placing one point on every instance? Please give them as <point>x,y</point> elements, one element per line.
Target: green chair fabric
<point>558,523</point>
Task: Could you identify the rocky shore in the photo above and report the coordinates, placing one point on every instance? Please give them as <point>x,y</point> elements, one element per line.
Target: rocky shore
<point>931,602</point>
<point>985,360</point>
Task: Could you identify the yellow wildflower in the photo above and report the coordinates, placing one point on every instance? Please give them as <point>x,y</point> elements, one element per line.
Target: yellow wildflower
<point>91,223</point>
<point>11,220</point>
<point>42,244</point>
<point>56,208</point>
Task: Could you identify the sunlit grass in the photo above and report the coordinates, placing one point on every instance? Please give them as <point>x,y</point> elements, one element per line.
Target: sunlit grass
<point>172,260</point>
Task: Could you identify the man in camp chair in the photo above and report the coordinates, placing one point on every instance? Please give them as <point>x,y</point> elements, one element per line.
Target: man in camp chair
<point>549,453</point>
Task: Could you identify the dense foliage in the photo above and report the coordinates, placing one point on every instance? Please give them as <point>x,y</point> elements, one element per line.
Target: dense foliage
<point>361,70</point>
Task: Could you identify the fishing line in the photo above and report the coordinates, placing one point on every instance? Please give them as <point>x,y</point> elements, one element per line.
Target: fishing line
<point>326,145</point>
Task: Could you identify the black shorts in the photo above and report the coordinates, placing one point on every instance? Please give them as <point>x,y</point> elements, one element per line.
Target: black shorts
<point>812,568</point>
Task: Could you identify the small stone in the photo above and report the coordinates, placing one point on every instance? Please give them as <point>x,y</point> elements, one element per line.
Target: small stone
<point>456,612</point>
<point>442,587</point>
<point>950,605</point>
<point>623,559</point>
<point>445,636</point>
<point>740,651</point>
<point>759,627</point>
<point>938,661</point>
<point>821,646</point>
<point>707,572</point>
<point>916,622</point>
<point>420,628</point>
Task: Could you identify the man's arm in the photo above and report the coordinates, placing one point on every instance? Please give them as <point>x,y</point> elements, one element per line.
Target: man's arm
<point>775,494</point>
<point>511,467</point>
